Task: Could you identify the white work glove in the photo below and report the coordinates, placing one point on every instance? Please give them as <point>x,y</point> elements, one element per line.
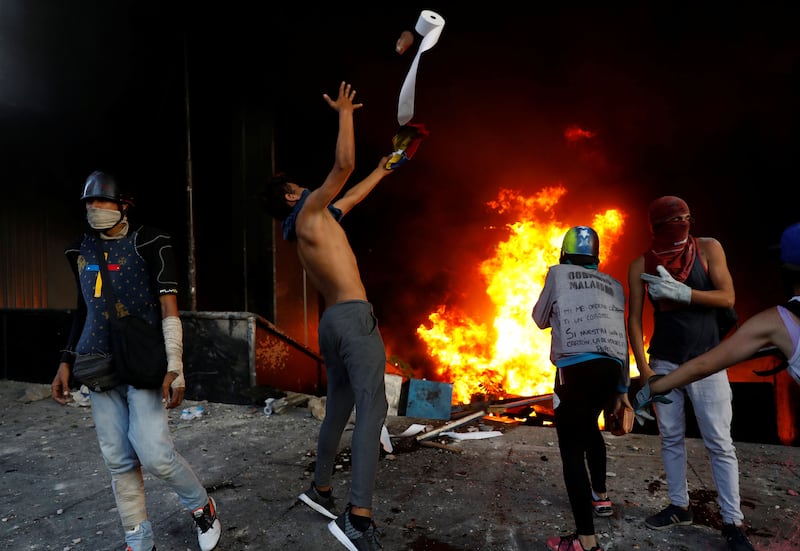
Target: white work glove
<point>644,398</point>
<point>667,287</point>
<point>173,341</point>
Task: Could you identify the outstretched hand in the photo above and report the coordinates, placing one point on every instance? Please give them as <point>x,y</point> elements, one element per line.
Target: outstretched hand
<point>643,400</point>
<point>345,98</point>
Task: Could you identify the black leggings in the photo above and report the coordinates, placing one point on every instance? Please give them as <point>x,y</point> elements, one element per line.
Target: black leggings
<point>585,390</point>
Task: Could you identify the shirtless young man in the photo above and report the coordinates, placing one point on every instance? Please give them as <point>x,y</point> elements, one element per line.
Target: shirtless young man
<point>349,338</point>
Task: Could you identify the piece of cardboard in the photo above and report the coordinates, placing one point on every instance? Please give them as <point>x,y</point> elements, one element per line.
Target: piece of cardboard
<point>394,386</point>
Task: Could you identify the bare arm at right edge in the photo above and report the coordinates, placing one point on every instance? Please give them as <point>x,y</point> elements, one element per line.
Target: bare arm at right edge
<point>761,330</point>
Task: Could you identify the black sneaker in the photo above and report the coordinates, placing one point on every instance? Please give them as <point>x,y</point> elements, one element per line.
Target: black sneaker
<point>321,504</point>
<point>669,517</point>
<point>736,538</point>
<point>352,538</point>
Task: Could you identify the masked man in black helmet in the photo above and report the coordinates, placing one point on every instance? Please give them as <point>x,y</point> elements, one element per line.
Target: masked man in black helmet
<point>131,423</point>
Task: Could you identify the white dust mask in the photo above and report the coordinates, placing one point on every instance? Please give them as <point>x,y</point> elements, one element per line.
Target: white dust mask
<point>103,219</point>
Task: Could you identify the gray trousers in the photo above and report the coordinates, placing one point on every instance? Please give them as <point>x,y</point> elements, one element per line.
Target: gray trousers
<point>355,364</point>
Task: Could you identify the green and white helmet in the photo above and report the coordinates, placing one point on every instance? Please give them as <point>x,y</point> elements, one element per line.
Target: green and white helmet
<point>581,246</point>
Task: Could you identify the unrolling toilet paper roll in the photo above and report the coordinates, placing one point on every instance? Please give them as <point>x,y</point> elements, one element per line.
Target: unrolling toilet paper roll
<point>429,25</point>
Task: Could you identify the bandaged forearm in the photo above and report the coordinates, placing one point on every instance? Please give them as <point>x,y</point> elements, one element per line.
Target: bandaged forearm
<point>173,341</point>
<point>129,494</point>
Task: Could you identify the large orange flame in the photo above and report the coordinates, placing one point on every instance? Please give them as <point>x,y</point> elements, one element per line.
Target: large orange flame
<point>511,356</point>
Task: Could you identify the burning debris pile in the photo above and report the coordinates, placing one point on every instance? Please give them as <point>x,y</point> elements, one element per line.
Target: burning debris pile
<point>508,357</point>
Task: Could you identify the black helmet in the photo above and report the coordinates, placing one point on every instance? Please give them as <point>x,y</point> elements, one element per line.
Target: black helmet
<point>100,185</point>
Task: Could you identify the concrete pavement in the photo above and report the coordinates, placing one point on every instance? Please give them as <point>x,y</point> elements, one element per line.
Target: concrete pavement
<point>503,493</point>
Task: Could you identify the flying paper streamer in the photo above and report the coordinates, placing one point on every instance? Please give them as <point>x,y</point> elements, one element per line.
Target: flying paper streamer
<point>429,25</point>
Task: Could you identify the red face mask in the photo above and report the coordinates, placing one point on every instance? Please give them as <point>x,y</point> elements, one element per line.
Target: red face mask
<point>670,237</point>
<point>673,248</point>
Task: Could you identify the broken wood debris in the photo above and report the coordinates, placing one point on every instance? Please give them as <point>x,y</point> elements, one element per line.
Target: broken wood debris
<point>292,399</point>
<point>457,423</point>
<point>502,407</point>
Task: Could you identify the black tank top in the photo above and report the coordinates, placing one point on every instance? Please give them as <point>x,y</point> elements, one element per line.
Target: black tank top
<point>681,334</point>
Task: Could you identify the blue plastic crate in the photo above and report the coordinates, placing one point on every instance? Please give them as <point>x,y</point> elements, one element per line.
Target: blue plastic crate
<point>429,399</point>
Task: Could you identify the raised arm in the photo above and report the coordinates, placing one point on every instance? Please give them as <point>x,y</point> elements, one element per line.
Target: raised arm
<point>345,156</point>
<point>355,194</point>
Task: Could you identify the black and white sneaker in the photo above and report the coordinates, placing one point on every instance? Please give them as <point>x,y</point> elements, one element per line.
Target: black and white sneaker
<point>671,516</point>
<point>321,504</point>
<point>352,538</point>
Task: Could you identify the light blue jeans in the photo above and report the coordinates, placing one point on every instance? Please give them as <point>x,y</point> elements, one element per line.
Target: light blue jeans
<point>133,431</point>
<point>711,400</point>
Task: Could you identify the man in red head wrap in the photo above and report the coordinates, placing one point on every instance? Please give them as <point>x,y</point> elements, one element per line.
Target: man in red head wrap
<point>672,246</point>
<point>777,326</point>
<point>686,279</point>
